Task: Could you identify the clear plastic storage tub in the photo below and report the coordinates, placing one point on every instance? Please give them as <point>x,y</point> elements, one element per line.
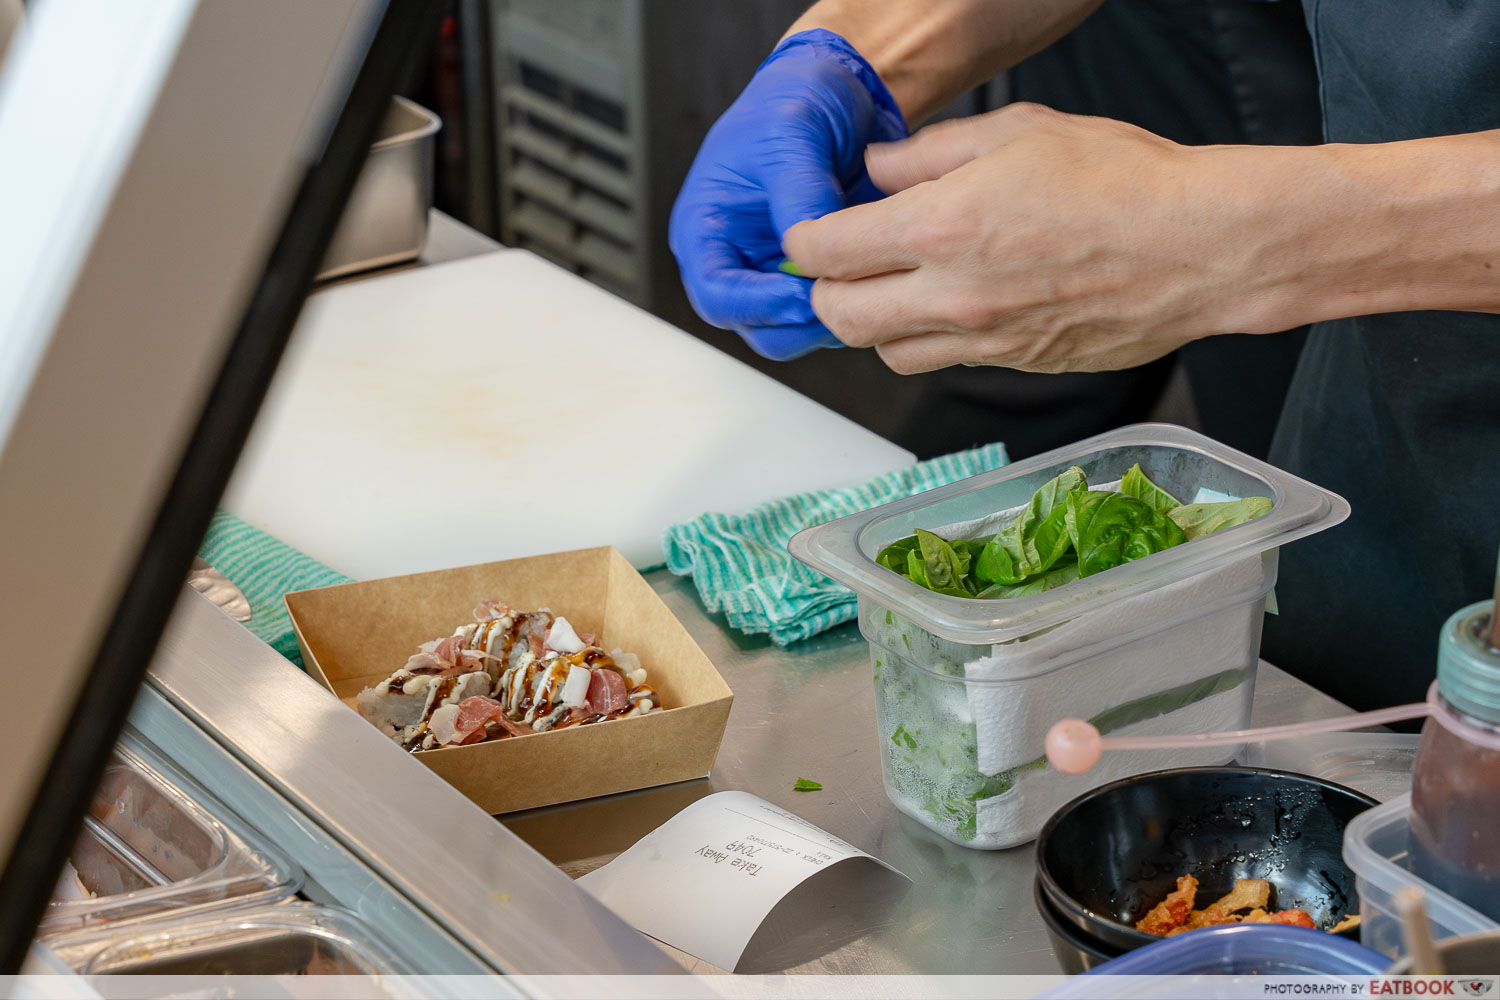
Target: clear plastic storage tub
<point>967,689</point>
<point>152,842</point>
<point>1377,849</point>
<point>281,940</point>
<point>1378,764</point>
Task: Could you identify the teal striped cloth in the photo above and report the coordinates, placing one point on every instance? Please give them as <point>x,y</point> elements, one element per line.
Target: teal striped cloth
<point>740,563</point>
<point>265,569</point>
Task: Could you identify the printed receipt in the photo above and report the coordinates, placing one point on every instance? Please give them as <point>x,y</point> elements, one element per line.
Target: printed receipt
<point>705,880</point>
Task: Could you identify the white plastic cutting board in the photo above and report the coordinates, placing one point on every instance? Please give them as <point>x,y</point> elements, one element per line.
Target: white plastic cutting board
<point>498,406</point>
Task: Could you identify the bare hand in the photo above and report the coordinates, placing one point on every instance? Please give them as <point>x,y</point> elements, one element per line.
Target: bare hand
<point>1047,242</point>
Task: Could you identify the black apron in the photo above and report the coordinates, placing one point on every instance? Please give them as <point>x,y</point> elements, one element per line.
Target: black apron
<point>1400,413</point>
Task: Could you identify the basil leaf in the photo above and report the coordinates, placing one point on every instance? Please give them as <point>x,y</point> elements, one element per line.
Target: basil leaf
<point>1056,577</point>
<point>1081,509</point>
<point>806,785</point>
<point>916,569</point>
<point>1037,538</point>
<point>1121,529</point>
<point>1136,484</point>
<point>966,551</point>
<point>1199,519</point>
<point>939,560</point>
<point>1047,541</point>
<point>1055,491</point>
<point>996,565</point>
<point>1152,705</point>
<point>893,556</point>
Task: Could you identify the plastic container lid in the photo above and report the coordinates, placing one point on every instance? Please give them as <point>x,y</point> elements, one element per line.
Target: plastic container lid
<point>1247,949</point>
<point>1235,950</point>
<point>1468,671</point>
<point>1179,460</point>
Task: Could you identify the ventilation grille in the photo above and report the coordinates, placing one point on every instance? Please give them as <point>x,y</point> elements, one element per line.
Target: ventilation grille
<point>567,177</point>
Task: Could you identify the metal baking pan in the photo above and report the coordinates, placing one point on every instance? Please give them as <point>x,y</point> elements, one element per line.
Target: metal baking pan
<point>385,221</point>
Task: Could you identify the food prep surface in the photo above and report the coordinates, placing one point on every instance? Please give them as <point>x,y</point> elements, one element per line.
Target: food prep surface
<point>809,712</point>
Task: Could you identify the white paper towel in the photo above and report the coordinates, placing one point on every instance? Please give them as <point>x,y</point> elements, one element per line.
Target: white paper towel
<point>1019,815</point>
<point>1021,688</point>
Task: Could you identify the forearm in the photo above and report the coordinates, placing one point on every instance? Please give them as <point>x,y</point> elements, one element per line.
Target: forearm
<point>1351,230</point>
<point>928,53</point>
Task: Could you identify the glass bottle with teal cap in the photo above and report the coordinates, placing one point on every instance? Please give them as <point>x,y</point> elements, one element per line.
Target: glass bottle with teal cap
<point>1456,781</point>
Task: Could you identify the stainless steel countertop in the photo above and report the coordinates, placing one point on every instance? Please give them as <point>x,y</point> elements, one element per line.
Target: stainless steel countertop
<point>809,711</point>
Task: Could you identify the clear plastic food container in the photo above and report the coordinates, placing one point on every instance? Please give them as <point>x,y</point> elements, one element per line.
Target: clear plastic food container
<point>1377,847</point>
<point>1217,952</point>
<point>1378,764</point>
<point>280,940</point>
<point>153,843</point>
<point>967,689</point>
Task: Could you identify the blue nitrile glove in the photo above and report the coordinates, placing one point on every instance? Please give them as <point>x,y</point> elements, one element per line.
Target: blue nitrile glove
<point>790,148</point>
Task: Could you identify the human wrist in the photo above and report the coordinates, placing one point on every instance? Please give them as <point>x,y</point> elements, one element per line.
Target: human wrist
<point>907,45</point>
<point>1356,229</point>
<point>890,123</point>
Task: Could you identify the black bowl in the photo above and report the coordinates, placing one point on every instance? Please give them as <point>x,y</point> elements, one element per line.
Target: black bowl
<point>1076,952</point>
<point>1111,854</point>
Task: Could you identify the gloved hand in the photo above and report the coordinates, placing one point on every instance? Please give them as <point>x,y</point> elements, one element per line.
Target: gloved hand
<point>790,148</point>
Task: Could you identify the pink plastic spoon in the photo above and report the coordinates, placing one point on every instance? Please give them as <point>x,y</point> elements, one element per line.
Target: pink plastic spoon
<point>1074,746</point>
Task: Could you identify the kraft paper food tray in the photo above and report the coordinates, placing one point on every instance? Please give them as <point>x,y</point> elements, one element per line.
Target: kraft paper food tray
<point>354,635</point>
